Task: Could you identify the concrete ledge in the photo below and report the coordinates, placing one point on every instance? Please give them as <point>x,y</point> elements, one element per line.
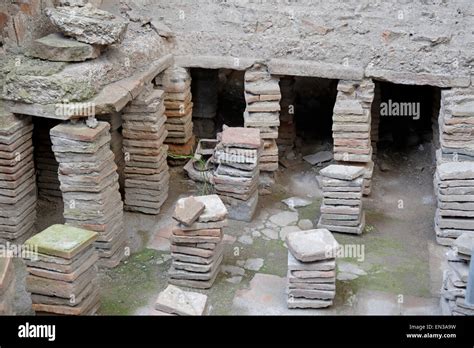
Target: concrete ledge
<point>276,66</point>
<point>214,62</point>
<point>112,98</point>
<point>409,78</point>
<point>315,69</point>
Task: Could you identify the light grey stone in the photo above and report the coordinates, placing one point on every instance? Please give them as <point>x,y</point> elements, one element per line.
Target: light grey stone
<point>173,300</point>
<point>312,245</point>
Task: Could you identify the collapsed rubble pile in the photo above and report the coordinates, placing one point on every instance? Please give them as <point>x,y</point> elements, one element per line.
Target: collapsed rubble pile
<point>62,272</point>
<point>341,210</point>
<point>196,242</point>
<point>236,177</point>
<point>146,168</point>
<point>311,269</point>
<point>453,291</point>
<point>89,183</point>
<point>17,178</point>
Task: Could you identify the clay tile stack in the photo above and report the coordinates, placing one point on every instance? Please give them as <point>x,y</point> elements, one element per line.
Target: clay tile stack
<point>262,95</point>
<point>341,210</point>
<point>455,213</point>
<point>455,279</point>
<point>146,170</point>
<point>89,183</point>
<point>237,174</point>
<point>17,178</point>
<point>62,271</point>
<point>311,268</point>
<point>196,242</point>
<point>176,82</point>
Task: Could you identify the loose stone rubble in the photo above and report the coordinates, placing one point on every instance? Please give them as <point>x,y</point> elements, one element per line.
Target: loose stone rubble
<point>88,24</point>
<point>341,210</point>
<point>455,278</point>
<point>311,269</point>
<point>197,249</point>
<point>455,190</point>
<point>146,170</point>
<point>17,178</point>
<point>262,95</point>
<point>62,273</point>
<point>89,184</point>
<point>7,286</point>
<point>176,82</point>
<point>236,177</point>
<point>174,301</point>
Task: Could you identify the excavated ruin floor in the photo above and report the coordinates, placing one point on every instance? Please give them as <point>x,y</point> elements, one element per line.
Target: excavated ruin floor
<point>400,274</point>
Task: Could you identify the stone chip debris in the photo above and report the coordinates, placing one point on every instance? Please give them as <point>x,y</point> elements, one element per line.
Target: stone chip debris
<point>62,271</point>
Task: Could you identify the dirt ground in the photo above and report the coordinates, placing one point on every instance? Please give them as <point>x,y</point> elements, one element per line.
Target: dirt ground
<point>400,271</point>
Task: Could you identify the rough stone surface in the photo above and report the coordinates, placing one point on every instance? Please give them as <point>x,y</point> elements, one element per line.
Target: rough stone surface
<point>173,300</point>
<point>187,210</point>
<point>58,48</point>
<point>312,245</point>
<point>88,24</point>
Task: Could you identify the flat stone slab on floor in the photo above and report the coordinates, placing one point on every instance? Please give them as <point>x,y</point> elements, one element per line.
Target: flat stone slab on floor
<point>319,157</point>
<point>173,300</point>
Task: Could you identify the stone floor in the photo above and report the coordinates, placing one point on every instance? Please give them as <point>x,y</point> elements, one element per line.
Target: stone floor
<point>400,272</point>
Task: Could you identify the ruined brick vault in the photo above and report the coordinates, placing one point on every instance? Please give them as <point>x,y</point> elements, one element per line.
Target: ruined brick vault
<point>100,99</point>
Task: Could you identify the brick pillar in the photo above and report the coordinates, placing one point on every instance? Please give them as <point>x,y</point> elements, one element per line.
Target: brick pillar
<point>146,170</point>
<point>17,178</point>
<point>375,116</point>
<point>454,177</point>
<point>89,183</point>
<point>176,83</point>
<point>352,126</point>
<point>287,129</point>
<point>262,94</point>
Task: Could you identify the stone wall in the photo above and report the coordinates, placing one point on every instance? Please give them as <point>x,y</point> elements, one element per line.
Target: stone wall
<point>412,42</point>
